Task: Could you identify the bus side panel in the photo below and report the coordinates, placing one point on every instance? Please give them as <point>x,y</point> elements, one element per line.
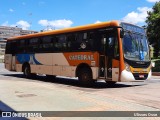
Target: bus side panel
<point>45,64</point>
<point>34,68</point>
<point>53,64</point>
<point>43,69</point>
<point>19,67</point>
<point>115,73</point>
<point>8,61</point>
<point>95,71</point>
<point>68,71</point>
<point>60,65</point>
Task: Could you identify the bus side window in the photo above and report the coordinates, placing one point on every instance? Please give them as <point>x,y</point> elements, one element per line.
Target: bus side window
<point>21,47</point>
<point>116,49</point>
<point>63,42</point>
<point>71,42</point>
<point>90,40</point>
<point>47,44</point>
<point>100,40</point>
<point>82,41</point>
<point>55,44</point>
<point>110,46</point>
<point>8,47</point>
<point>11,47</point>
<point>60,43</point>
<point>34,45</point>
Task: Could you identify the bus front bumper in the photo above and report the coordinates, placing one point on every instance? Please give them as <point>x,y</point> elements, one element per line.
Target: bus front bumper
<point>127,76</point>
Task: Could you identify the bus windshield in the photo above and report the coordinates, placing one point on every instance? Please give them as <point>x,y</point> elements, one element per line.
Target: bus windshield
<point>135,47</point>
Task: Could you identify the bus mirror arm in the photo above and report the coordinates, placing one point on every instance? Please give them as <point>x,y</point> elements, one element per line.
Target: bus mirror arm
<point>122,33</point>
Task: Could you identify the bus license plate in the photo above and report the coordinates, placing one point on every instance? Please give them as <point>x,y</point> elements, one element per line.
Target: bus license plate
<point>141,76</point>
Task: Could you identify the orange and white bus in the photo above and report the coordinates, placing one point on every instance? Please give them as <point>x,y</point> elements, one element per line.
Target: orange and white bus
<point>113,51</point>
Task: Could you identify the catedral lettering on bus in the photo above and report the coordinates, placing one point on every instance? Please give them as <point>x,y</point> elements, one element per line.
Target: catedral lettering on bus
<point>81,57</point>
<point>113,51</point>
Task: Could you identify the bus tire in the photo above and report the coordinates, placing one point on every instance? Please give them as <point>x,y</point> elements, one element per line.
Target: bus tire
<point>27,71</point>
<point>85,77</point>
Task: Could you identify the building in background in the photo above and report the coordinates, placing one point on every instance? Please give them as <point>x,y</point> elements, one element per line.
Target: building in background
<point>7,32</point>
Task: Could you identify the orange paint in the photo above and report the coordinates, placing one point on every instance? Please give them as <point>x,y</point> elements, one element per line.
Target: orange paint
<point>67,30</point>
<point>122,65</point>
<point>115,63</point>
<point>76,58</point>
<point>17,62</point>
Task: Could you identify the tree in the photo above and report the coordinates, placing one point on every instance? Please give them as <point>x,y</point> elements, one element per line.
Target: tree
<point>153,28</point>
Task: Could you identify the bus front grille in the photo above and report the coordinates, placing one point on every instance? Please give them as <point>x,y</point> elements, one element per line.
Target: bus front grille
<point>139,76</point>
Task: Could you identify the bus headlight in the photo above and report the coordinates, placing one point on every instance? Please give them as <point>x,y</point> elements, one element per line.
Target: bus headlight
<point>127,67</point>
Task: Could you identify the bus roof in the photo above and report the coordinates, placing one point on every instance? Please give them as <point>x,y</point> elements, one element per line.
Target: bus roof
<point>67,30</point>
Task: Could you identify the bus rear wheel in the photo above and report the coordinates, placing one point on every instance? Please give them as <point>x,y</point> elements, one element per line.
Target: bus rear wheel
<point>85,77</point>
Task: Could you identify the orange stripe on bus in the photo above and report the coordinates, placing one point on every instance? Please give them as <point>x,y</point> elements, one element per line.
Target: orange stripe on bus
<point>76,58</point>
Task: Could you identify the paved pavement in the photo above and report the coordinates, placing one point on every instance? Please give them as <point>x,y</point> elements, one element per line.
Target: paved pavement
<point>20,94</point>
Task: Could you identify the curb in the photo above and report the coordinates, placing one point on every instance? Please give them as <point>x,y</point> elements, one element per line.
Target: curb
<point>156,73</point>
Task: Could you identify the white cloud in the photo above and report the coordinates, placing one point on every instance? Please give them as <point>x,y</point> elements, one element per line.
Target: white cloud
<point>153,1</point>
<point>11,10</point>
<point>97,21</point>
<point>23,24</point>
<point>43,22</point>
<point>137,17</point>
<point>56,23</point>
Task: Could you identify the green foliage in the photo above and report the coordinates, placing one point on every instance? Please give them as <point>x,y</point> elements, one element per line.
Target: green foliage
<point>153,27</point>
<point>157,66</point>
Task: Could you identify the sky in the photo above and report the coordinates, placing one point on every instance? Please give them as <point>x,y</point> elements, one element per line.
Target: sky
<point>57,14</point>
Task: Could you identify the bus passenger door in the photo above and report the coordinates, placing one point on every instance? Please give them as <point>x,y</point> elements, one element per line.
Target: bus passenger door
<point>112,59</point>
<point>102,66</point>
<point>109,55</point>
<point>109,68</point>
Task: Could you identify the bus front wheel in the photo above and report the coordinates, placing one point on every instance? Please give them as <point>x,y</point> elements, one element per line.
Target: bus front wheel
<point>85,77</point>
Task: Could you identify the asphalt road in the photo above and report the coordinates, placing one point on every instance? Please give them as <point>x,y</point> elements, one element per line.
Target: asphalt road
<point>64,94</point>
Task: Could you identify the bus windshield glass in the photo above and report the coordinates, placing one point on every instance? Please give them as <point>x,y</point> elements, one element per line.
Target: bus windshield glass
<point>135,44</point>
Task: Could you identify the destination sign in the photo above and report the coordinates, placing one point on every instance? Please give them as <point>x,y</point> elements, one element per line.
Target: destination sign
<point>132,28</point>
